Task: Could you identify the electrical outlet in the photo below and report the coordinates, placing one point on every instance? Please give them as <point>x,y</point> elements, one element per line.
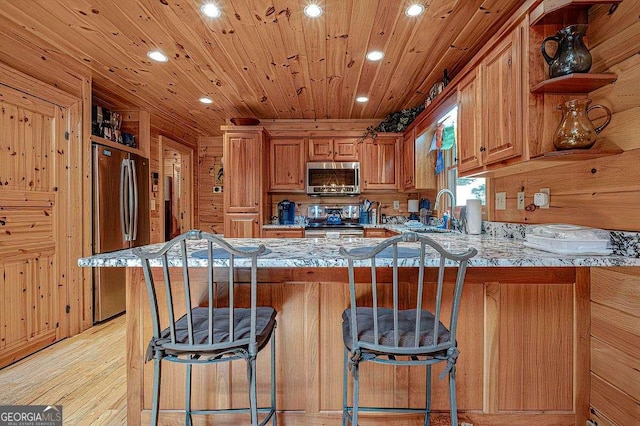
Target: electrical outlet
<point>501,200</point>
<point>396,205</point>
<point>520,200</point>
<point>546,191</point>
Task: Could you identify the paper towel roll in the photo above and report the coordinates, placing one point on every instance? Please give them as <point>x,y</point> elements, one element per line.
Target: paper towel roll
<point>474,216</point>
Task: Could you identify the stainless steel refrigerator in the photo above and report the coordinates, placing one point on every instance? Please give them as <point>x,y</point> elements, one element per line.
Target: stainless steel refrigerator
<point>120,220</point>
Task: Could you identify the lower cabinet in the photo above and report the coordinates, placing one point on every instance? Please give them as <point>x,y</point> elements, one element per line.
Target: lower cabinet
<point>375,232</point>
<point>242,225</point>
<point>615,346</point>
<point>283,233</point>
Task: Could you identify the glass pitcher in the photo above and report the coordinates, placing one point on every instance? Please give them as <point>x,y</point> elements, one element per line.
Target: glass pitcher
<point>571,54</point>
<point>576,129</point>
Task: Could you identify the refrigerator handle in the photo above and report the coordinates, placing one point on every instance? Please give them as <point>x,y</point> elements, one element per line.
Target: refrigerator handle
<point>134,221</point>
<point>123,217</point>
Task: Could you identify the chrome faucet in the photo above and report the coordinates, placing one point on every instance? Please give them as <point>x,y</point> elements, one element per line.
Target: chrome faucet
<point>452,217</point>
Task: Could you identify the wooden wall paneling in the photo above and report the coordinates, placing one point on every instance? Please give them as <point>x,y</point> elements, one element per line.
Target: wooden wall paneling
<point>582,327</point>
<point>490,386</point>
<point>615,45</point>
<point>582,193</point>
<point>210,203</point>
<point>615,406</point>
<point>620,369</point>
<point>535,348</point>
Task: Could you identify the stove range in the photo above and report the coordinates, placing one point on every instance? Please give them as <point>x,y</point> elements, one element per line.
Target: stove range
<point>324,225</point>
<point>332,230</point>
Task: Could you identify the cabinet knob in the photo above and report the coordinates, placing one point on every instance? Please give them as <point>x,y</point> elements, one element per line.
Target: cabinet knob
<point>483,149</point>
<point>256,203</point>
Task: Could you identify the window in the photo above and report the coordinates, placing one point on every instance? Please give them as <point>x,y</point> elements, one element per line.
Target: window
<point>466,187</point>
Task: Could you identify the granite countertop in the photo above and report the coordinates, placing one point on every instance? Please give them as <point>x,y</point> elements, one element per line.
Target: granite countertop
<point>319,252</point>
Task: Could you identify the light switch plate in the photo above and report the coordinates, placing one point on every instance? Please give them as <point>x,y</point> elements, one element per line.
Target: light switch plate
<point>501,200</point>
<point>396,205</point>
<point>520,200</point>
<point>153,205</point>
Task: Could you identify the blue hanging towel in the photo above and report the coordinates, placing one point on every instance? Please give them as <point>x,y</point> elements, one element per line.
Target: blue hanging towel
<point>439,163</point>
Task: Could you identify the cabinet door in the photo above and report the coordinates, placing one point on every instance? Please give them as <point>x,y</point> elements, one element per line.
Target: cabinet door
<point>379,164</point>
<point>345,149</point>
<point>287,165</point>
<point>282,233</point>
<point>408,161</point>
<point>502,100</point>
<point>242,225</point>
<point>321,149</point>
<point>375,233</point>
<point>243,172</point>
<point>469,130</point>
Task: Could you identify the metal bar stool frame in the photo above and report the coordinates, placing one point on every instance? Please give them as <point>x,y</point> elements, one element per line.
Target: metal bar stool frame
<point>377,347</point>
<point>171,344</point>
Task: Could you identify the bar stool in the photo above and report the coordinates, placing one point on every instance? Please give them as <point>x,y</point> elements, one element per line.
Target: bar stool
<point>390,335</point>
<point>216,333</point>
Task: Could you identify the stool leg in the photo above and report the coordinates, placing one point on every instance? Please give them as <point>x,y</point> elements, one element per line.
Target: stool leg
<point>187,403</point>
<point>345,410</point>
<point>155,403</point>
<point>273,379</point>
<point>428,397</point>
<point>356,391</point>
<point>452,396</point>
<point>253,397</point>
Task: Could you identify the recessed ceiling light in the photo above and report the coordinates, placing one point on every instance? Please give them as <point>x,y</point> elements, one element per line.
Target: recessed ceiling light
<point>157,56</point>
<point>206,100</point>
<point>414,10</point>
<point>362,99</point>
<point>313,10</point>
<point>375,55</point>
<point>210,10</point>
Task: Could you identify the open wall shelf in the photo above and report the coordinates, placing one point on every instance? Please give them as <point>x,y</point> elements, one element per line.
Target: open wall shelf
<point>574,83</point>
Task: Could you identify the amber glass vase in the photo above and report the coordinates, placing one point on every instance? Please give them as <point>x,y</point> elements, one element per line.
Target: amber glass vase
<point>576,129</point>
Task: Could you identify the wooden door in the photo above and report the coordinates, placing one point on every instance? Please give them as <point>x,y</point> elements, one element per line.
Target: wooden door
<point>502,100</point>
<point>321,149</point>
<point>408,161</point>
<point>33,209</point>
<point>242,225</point>
<point>177,162</point>
<point>287,165</point>
<point>469,123</point>
<point>345,149</point>
<point>379,164</point>
<point>243,172</point>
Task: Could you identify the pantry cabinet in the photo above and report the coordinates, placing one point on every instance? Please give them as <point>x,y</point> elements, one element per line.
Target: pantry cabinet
<point>244,171</point>
<point>333,149</point>
<point>379,164</point>
<point>287,165</point>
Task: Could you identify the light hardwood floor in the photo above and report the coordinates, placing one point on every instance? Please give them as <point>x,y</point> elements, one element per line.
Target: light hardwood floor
<point>85,374</point>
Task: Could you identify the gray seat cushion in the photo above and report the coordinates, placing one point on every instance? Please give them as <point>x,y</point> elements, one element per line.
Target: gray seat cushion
<point>265,324</point>
<point>406,328</point>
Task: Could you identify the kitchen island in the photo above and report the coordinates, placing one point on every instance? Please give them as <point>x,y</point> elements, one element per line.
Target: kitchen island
<point>523,336</point>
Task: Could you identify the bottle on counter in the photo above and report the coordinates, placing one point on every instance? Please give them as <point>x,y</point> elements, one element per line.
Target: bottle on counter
<point>374,216</point>
<point>445,220</point>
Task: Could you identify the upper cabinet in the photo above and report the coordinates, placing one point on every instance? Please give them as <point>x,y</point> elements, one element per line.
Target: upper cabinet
<point>380,162</point>
<point>501,95</point>
<point>469,119</point>
<point>408,161</point>
<point>491,107</point>
<point>418,164</point>
<point>333,149</point>
<point>287,164</point>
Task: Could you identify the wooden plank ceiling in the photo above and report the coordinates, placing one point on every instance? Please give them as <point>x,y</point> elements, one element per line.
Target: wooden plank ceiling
<point>261,58</point>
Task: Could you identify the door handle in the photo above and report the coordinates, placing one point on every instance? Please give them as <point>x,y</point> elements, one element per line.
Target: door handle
<point>134,221</point>
<point>123,216</point>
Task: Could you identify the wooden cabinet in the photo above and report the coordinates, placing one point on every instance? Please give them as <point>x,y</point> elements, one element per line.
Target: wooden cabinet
<point>244,174</point>
<point>408,161</point>
<point>287,165</point>
<point>491,107</point>
<point>502,105</point>
<point>333,149</point>
<point>615,345</point>
<point>283,233</point>
<point>242,225</point>
<point>379,163</point>
<point>375,232</point>
<point>469,119</point>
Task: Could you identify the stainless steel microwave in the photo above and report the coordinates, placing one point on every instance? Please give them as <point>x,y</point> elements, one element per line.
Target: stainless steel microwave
<point>329,178</point>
